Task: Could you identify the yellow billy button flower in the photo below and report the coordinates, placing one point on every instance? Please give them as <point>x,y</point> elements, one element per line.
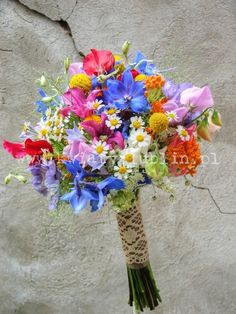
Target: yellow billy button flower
<point>82,81</point>
<point>158,122</point>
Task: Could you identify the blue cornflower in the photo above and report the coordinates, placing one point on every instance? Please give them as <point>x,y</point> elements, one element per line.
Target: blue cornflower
<point>127,93</point>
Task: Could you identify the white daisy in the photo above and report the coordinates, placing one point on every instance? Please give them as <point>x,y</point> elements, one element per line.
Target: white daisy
<point>122,171</point>
<point>43,129</point>
<point>101,148</point>
<point>113,122</point>
<point>111,111</point>
<point>141,139</point>
<point>171,116</point>
<point>136,122</point>
<point>130,157</point>
<point>96,104</point>
<point>183,133</point>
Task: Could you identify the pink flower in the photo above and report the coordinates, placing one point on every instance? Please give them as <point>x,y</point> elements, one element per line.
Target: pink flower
<point>198,98</point>
<point>116,140</point>
<point>80,151</point>
<point>98,61</point>
<point>95,129</point>
<point>77,102</point>
<point>75,68</point>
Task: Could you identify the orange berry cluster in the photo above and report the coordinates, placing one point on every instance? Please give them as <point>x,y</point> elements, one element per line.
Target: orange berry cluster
<point>154,81</point>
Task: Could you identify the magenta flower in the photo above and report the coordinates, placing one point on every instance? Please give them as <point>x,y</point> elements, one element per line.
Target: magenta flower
<point>116,140</point>
<point>95,129</point>
<point>76,102</point>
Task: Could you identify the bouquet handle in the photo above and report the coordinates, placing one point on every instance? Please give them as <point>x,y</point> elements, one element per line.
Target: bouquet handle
<point>143,291</point>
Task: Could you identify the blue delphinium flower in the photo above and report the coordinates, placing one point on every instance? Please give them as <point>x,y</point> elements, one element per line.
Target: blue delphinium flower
<point>41,105</point>
<point>127,93</point>
<point>144,66</point>
<point>84,192</point>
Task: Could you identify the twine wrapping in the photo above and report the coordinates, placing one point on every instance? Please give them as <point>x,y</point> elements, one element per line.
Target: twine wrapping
<point>134,241</point>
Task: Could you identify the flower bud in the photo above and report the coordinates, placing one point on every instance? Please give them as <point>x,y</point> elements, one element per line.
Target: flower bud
<point>125,47</point>
<point>67,63</point>
<point>20,178</point>
<point>42,81</point>
<point>7,179</point>
<point>216,118</point>
<point>203,130</point>
<point>47,99</point>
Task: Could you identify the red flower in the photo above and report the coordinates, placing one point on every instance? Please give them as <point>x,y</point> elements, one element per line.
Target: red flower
<point>133,72</point>
<point>17,150</point>
<point>29,147</point>
<point>98,62</point>
<point>36,147</point>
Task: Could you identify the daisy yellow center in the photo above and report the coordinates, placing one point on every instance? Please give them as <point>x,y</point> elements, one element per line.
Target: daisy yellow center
<point>184,133</point>
<point>140,138</point>
<point>122,170</point>
<point>99,149</point>
<point>158,122</point>
<point>49,123</point>
<point>114,122</point>
<point>44,132</point>
<point>129,157</point>
<point>96,105</point>
<point>57,131</point>
<point>111,111</point>
<point>57,122</point>
<point>136,124</point>
<point>82,81</point>
<point>94,117</point>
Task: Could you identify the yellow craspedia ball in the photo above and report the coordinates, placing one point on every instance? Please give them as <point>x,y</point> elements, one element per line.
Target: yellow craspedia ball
<point>140,77</point>
<point>82,81</point>
<point>158,122</point>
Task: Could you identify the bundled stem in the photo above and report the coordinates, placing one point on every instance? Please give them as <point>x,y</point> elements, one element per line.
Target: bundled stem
<point>143,291</point>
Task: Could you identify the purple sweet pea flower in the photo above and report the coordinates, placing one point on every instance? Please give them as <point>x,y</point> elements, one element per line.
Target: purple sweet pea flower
<point>75,68</point>
<point>197,98</point>
<point>173,91</point>
<point>45,180</point>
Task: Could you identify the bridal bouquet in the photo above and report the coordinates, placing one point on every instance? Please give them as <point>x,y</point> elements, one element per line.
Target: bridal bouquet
<point>107,126</point>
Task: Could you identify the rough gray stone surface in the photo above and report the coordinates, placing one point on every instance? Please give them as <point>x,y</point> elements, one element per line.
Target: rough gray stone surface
<point>71,264</point>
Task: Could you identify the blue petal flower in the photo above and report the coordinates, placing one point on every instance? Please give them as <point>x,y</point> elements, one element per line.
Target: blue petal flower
<point>127,93</point>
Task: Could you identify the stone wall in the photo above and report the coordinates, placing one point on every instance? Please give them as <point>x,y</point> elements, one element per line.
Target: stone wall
<point>74,264</point>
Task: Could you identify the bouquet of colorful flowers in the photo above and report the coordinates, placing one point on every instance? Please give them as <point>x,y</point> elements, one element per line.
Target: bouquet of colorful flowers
<point>108,126</point>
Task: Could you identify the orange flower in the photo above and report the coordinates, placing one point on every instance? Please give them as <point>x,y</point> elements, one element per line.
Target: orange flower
<point>184,157</point>
<point>157,106</point>
<point>154,81</point>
